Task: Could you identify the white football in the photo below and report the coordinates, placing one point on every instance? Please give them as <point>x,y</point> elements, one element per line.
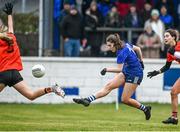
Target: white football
<point>38,70</point>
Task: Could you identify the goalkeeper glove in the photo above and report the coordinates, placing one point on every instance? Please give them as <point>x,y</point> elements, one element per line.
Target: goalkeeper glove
<point>8,8</point>
<point>153,73</point>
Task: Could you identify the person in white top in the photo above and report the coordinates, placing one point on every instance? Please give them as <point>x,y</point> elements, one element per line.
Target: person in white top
<point>158,27</point>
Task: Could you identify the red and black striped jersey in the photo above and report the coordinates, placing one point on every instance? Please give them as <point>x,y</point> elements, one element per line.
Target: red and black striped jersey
<point>171,57</point>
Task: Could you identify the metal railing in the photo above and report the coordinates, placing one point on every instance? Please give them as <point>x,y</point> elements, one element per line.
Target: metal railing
<point>107,30</point>
<point>110,29</point>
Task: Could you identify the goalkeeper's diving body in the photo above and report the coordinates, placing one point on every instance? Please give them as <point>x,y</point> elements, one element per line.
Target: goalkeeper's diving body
<point>129,74</point>
<point>171,38</point>
<point>11,64</point>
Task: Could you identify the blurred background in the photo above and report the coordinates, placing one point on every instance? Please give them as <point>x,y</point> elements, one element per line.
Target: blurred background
<point>43,27</point>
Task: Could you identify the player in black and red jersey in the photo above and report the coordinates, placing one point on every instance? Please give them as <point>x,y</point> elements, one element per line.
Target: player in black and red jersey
<point>171,38</point>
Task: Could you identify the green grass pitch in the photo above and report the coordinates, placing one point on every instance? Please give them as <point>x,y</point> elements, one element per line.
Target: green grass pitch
<point>72,117</point>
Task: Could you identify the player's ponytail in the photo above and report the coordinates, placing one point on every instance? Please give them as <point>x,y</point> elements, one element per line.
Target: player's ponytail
<point>3,29</point>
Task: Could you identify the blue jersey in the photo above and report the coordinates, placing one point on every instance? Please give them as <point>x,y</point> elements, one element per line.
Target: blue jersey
<point>128,57</point>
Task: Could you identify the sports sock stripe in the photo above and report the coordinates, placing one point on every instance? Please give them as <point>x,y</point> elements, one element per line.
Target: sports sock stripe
<point>91,98</point>
<point>142,107</point>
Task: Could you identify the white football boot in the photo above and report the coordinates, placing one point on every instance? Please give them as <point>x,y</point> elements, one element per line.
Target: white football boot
<point>58,90</point>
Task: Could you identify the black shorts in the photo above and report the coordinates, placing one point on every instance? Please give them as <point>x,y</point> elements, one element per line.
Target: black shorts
<point>10,77</point>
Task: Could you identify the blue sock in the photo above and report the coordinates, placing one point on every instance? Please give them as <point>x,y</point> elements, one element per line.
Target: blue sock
<point>142,107</point>
<point>91,98</point>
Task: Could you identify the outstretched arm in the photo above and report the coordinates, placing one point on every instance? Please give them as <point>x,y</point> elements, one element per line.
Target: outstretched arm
<point>8,10</point>
<point>163,69</point>
<point>10,24</point>
<point>113,70</point>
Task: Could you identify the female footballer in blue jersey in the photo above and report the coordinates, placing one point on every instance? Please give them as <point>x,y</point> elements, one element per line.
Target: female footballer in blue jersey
<point>130,74</point>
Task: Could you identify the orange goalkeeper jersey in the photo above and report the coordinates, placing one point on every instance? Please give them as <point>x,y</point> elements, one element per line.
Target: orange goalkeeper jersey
<point>9,55</point>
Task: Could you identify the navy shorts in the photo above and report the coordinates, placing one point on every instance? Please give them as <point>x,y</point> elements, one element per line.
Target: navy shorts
<point>10,77</point>
<point>133,79</point>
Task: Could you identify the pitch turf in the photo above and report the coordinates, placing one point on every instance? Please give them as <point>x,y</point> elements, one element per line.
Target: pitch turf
<point>72,117</point>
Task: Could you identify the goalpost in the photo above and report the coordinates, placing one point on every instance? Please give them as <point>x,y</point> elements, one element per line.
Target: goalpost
<point>117,100</point>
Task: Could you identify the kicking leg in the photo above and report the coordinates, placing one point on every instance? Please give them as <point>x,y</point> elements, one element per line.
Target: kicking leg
<point>118,80</point>
<point>24,89</point>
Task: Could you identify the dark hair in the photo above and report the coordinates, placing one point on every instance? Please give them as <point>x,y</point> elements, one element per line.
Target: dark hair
<point>66,2</point>
<point>115,39</point>
<point>173,33</point>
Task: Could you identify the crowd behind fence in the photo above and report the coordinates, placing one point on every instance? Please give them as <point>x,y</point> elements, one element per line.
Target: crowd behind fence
<point>100,35</point>
<point>131,23</point>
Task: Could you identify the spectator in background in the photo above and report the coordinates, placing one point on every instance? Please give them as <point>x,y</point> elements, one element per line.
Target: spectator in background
<point>168,3</point>
<point>78,5</point>
<point>65,10</point>
<point>104,7</point>
<point>166,18</point>
<point>146,12</point>
<point>113,18</point>
<point>141,3</point>
<point>94,19</point>
<point>85,5</point>
<point>171,6</point>
<point>71,2</point>
<point>133,19</point>
<point>72,31</point>
<point>179,16</point>
<point>149,42</point>
<point>123,7</point>
<point>158,27</point>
